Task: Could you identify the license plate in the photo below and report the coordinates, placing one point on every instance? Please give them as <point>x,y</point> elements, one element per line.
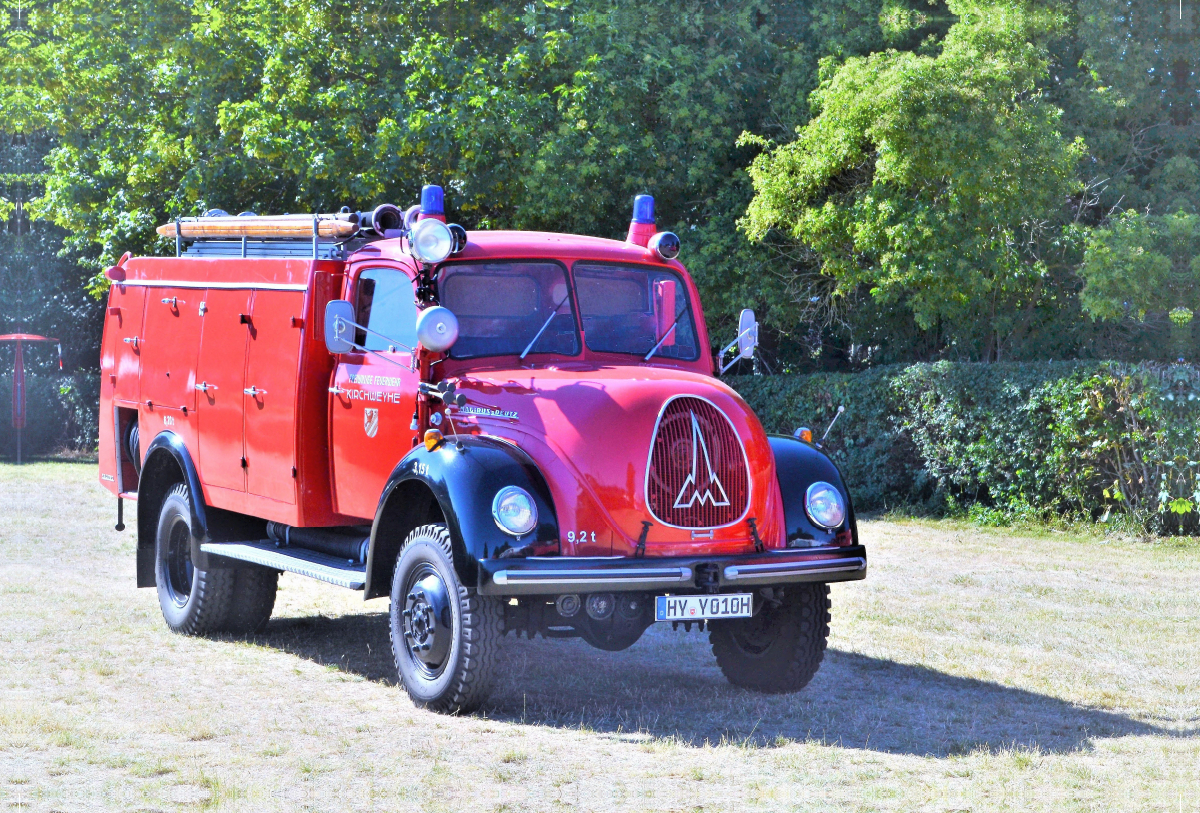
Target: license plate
<point>698,608</point>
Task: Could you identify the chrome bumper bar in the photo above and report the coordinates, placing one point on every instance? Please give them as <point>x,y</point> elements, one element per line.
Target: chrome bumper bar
<point>546,575</point>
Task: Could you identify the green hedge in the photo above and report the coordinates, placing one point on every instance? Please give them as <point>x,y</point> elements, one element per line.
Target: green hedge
<point>60,414</point>
<point>1095,440</point>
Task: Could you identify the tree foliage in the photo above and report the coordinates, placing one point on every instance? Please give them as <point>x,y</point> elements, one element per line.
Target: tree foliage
<point>920,180</point>
<point>906,179</point>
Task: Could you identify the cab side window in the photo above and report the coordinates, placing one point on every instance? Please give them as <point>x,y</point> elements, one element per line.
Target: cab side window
<point>387,306</point>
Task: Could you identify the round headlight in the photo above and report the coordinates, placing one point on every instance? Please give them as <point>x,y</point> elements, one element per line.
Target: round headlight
<point>431,241</point>
<point>825,505</point>
<point>514,511</point>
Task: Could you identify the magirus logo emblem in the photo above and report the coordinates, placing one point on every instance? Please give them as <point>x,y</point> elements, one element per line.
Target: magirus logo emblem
<point>371,422</point>
<point>702,484</point>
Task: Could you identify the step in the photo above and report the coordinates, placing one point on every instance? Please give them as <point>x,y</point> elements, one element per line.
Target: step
<point>293,560</point>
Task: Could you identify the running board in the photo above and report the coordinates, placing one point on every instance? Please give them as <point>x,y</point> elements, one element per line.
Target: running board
<point>294,560</point>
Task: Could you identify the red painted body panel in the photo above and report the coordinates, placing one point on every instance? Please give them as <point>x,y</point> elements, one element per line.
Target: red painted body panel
<point>270,406</point>
<point>120,371</point>
<point>587,421</point>
<point>222,370</point>
<point>590,429</point>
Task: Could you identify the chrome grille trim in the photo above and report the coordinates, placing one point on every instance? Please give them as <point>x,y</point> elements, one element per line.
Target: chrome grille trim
<point>733,440</point>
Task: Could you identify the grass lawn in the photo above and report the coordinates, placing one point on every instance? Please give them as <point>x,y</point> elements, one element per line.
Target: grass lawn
<point>972,670</point>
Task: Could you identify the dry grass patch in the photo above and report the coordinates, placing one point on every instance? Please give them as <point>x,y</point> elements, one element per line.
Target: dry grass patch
<point>972,670</point>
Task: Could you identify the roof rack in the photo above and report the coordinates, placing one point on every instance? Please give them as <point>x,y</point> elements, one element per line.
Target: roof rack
<point>245,247</point>
<point>316,236</point>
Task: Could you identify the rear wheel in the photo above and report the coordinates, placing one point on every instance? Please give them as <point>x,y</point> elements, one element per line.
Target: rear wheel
<point>445,636</point>
<point>193,601</point>
<point>780,648</point>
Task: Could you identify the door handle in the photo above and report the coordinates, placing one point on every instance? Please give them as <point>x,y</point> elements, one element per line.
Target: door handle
<point>131,340</point>
<point>204,386</point>
<point>254,392</point>
<point>336,390</point>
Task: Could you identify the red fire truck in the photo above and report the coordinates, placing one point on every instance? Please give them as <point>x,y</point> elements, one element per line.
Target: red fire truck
<point>499,431</point>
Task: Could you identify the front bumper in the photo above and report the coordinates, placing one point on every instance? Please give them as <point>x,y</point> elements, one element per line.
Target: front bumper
<point>547,575</point>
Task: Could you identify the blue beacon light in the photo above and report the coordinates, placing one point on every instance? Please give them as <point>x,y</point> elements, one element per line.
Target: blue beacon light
<point>432,200</point>
<point>643,209</point>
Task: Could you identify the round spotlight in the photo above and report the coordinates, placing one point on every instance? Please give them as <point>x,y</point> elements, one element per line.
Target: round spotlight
<point>437,329</point>
<point>431,241</point>
<point>824,505</point>
<point>665,244</point>
<point>514,511</point>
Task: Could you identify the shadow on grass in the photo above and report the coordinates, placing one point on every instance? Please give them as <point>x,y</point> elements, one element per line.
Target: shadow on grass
<point>668,686</point>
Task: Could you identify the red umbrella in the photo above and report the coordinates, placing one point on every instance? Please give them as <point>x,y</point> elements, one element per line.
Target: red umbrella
<point>18,393</point>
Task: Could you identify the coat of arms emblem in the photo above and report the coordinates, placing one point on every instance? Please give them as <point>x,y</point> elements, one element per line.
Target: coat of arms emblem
<point>371,422</point>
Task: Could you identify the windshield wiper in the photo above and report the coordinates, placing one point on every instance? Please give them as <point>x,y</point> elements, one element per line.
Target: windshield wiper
<point>670,330</point>
<point>538,335</point>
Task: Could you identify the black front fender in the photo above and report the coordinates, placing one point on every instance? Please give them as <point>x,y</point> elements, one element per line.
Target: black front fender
<point>464,482</point>
<point>798,465</point>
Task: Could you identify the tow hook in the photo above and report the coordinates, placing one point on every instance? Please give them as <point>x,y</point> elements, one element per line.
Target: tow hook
<point>706,577</point>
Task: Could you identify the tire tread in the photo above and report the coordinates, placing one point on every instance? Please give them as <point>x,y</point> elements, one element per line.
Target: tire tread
<point>482,628</point>
<point>808,608</point>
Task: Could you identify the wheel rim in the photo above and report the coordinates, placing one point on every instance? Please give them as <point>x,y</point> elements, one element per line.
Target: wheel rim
<point>427,621</point>
<point>754,636</point>
<point>179,563</point>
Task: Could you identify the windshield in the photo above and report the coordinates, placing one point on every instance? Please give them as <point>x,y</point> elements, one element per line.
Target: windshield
<point>510,308</point>
<point>634,309</point>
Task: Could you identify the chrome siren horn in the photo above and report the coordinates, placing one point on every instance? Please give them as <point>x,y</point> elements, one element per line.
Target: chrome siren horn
<point>383,218</point>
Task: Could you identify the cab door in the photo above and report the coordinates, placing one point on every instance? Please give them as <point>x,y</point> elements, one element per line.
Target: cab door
<point>374,397</point>
<point>220,379</point>
<point>272,369</point>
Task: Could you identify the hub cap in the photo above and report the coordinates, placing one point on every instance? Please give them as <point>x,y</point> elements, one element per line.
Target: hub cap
<point>179,563</point>
<point>427,621</point>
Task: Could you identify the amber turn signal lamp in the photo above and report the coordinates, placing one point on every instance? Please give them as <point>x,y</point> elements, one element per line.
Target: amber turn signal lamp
<point>433,439</point>
<point>804,434</point>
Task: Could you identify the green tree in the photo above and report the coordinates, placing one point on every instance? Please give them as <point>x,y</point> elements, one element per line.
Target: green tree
<point>935,180</point>
<point>1143,264</point>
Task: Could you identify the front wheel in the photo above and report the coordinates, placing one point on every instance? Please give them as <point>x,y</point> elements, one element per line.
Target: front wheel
<point>780,648</point>
<point>445,636</point>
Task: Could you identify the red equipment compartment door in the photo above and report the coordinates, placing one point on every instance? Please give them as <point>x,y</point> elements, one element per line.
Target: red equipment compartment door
<point>123,341</point>
<point>270,394</point>
<point>220,378</point>
<point>171,339</point>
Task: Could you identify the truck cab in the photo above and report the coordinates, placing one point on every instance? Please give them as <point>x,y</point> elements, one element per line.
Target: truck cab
<point>498,431</point>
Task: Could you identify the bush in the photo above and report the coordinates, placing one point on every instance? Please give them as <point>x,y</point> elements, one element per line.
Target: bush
<point>1076,439</point>
<point>875,455</point>
<point>60,414</point>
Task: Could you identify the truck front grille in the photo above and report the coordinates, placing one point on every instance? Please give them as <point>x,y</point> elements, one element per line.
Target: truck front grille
<point>697,475</point>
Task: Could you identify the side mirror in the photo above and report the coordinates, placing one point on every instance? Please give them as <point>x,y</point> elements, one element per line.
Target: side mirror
<point>745,343</point>
<point>437,329</point>
<point>339,326</point>
<point>747,334</point>
<point>664,311</point>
